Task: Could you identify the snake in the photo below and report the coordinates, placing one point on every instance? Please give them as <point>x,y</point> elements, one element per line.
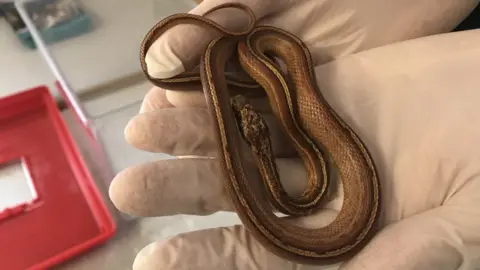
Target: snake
<point>319,135</point>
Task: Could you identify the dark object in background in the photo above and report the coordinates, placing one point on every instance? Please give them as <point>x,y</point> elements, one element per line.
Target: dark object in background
<point>56,20</point>
<point>471,22</point>
<point>10,13</point>
<point>51,14</point>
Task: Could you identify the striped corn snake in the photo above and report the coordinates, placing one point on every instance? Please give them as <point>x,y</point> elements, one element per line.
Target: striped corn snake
<point>312,126</point>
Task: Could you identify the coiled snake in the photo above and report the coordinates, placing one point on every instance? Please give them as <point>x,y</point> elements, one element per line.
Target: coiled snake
<point>307,119</point>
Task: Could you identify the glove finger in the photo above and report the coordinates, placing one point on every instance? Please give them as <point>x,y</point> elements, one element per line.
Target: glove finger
<point>218,248</point>
<point>189,131</point>
<point>190,186</point>
<point>154,100</point>
<point>174,52</point>
<point>182,99</point>
<point>170,187</point>
<point>431,240</point>
<point>197,99</point>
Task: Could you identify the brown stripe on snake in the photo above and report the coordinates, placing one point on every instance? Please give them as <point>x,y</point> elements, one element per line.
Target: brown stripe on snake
<point>313,127</point>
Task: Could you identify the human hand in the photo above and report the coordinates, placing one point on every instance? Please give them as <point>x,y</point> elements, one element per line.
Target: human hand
<point>330,29</point>
<point>436,219</point>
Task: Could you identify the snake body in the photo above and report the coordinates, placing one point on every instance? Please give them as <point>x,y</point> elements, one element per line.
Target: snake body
<point>311,124</point>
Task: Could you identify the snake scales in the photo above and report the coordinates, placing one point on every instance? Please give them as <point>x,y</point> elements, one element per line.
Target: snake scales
<point>307,119</point>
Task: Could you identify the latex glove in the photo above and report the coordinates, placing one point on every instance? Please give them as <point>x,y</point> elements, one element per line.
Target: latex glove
<point>413,103</point>
<point>330,28</point>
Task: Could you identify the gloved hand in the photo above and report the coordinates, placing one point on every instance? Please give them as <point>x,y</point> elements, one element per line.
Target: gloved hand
<point>414,103</point>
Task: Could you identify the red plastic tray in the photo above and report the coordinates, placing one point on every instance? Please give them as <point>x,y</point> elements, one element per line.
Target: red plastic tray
<point>68,215</point>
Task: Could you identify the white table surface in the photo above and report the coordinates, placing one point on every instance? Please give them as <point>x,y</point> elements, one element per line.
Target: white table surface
<point>107,53</point>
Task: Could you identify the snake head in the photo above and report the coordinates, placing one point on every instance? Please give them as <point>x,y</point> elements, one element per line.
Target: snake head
<point>251,123</point>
